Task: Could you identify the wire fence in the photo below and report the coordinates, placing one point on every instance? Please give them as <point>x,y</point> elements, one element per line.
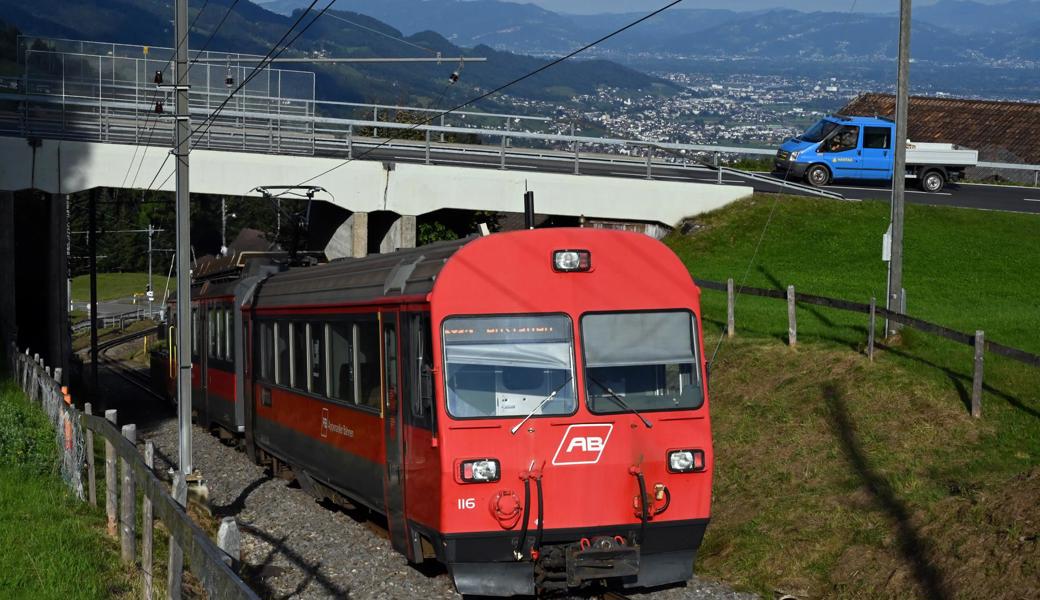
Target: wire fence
<point>189,545</point>
<point>977,340</point>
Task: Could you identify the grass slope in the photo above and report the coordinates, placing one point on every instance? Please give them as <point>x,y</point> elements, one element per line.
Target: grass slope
<point>837,477</point>
<point>113,286</point>
<point>53,544</point>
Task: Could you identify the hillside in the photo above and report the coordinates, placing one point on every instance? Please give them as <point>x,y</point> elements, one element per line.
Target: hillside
<point>251,28</point>
<point>841,477</point>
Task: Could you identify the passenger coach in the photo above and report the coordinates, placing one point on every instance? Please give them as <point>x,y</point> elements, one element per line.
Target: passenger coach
<point>528,408</point>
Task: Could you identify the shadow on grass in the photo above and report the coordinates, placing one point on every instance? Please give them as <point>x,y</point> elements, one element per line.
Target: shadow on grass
<point>913,547</point>
<point>962,382</point>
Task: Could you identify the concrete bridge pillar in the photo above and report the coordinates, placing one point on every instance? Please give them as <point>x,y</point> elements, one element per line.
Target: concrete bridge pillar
<point>8,306</point>
<point>363,233</point>
<point>400,234</point>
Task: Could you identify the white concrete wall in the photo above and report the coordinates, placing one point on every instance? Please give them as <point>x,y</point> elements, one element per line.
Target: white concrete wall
<point>409,189</point>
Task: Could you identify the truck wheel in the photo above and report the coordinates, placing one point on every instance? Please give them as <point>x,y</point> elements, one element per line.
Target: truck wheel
<point>933,181</point>
<point>818,176</point>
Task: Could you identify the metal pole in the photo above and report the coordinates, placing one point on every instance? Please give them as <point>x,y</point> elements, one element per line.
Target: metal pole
<point>93,292</point>
<point>895,266</point>
<point>151,293</point>
<point>183,240</point>
<point>223,225</point>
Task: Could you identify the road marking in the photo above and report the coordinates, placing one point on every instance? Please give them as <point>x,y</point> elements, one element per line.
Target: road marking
<point>1031,199</point>
<point>888,191</point>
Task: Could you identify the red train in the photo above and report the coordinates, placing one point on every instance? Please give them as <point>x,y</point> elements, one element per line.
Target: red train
<point>528,408</point>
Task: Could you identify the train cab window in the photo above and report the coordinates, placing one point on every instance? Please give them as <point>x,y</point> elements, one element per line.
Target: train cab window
<point>367,360</point>
<point>266,352</point>
<point>641,360</point>
<point>281,351</point>
<point>316,358</point>
<point>341,361</point>
<point>509,366</point>
<point>298,355</point>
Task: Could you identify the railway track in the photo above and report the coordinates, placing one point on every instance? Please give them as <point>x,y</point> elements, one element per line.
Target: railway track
<point>116,366</point>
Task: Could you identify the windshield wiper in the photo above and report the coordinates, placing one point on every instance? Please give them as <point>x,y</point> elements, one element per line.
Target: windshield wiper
<point>540,405</point>
<point>621,402</point>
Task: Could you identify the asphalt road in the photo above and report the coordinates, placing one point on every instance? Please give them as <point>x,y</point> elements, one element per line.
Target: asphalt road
<point>964,195</point>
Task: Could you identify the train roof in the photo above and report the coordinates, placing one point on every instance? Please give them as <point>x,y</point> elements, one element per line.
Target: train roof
<point>410,272</point>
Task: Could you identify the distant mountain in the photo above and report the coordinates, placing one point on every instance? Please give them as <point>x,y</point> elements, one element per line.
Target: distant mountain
<point>253,29</point>
<point>949,32</point>
<point>793,35</point>
<point>965,16</point>
<point>521,28</point>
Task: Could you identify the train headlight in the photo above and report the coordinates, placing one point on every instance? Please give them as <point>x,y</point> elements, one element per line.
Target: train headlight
<point>572,260</point>
<point>685,461</point>
<point>484,470</point>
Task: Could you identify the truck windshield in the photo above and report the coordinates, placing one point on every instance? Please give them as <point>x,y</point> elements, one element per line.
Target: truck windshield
<point>649,359</point>
<point>506,366</point>
<point>819,131</point>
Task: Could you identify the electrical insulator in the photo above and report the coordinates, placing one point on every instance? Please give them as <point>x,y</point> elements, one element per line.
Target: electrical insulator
<point>158,78</point>
<point>453,78</point>
<point>158,107</point>
<point>229,79</point>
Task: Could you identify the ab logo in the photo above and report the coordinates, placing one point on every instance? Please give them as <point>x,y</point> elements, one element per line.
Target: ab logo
<point>583,444</point>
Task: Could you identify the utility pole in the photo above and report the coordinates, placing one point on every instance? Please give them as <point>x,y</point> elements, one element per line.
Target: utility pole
<point>183,245</point>
<point>895,265</point>
<point>223,226</point>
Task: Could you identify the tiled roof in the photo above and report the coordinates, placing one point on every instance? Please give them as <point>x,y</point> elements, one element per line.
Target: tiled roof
<point>1000,131</point>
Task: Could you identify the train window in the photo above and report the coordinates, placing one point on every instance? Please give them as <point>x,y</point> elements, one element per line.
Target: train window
<point>316,362</point>
<point>366,336</point>
<point>266,352</point>
<point>641,360</point>
<point>281,350</point>
<point>422,394</point>
<point>298,355</point>
<point>211,331</point>
<point>229,330</point>
<point>194,331</point>
<point>341,361</point>
<point>509,366</point>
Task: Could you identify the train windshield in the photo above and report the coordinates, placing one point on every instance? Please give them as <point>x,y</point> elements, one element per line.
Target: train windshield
<point>643,360</point>
<point>506,366</point>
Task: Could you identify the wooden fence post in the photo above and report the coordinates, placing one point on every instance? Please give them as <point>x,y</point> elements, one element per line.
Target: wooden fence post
<point>91,484</point>
<point>128,503</point>
<point>976,384</point>
<point>792,323</point>
<point>730,309</point>
<point>110,477</point>
<point>173,585</point>
<point>870,328</point>
<point>147,523</point>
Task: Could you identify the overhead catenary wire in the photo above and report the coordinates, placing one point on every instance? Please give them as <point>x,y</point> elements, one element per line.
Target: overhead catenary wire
<point>383,33</point>
<point>496,90</point>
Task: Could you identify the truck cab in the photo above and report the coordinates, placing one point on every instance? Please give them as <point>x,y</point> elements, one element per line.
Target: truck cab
<point>840,147</point>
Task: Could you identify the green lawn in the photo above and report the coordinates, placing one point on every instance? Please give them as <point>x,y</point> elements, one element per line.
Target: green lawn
<point>53,544</point>
<point>837,477</point>
<point>112,286</point>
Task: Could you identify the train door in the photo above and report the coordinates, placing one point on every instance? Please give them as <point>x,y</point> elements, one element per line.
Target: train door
<point>393,476</point>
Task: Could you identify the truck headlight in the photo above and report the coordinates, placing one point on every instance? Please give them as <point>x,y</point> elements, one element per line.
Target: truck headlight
<point>685,461</point>
<point>794,154</point>
<point>484,470</point>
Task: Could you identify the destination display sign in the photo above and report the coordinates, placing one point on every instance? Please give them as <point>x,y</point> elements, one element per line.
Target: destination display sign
<point>511,329</point>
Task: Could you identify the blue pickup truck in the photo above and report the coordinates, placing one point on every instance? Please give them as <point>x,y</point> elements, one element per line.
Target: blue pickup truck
<point>840,147</point>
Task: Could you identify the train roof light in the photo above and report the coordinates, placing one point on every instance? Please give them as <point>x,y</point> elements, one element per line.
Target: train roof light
<point>572,260</point>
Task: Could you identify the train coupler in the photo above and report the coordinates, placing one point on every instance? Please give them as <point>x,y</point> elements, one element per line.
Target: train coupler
<point>600,558</point>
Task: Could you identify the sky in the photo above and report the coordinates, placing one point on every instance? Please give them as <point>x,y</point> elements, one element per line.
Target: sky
<point>601,6</point>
